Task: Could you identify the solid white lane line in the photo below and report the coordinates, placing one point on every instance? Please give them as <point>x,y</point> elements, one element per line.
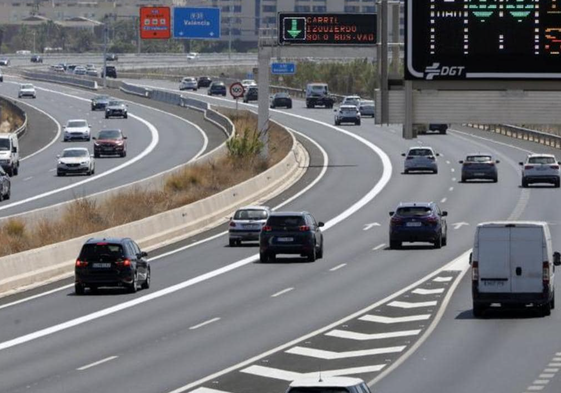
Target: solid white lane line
<point>285,375</point>
<point>443,279</point>
<point>282,292</point>
<point>200,325</point>
<point>333,269</point>
<point>375,336</point>
<point>392,320</point>
<point>408,305</point>
<point>330,355</point>
<point>443,200</point>
<point>28,178</point>
<point>379,247</point>
<point>421,291</point>
<point>97,363</point>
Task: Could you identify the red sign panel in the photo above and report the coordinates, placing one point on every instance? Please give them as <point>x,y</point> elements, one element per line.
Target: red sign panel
<point>155,23</point>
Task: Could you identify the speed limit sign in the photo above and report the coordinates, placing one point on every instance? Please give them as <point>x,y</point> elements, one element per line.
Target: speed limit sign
<point>236,90</point>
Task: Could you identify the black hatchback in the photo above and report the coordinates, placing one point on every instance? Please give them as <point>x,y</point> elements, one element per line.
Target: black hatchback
<point>291,233</point>
<point>203,81</point>
<point>111,262</point>
<point>281,99</point>
<point>217,88</point>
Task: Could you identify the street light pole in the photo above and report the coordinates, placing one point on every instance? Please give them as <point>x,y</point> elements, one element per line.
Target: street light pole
<point>104,72</point>
<point>230,33</point>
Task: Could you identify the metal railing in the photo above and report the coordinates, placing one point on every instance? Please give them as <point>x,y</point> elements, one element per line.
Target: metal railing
<point>525,134</point>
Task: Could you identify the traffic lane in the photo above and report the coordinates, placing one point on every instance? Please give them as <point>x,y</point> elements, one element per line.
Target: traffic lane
<point>175,135</point>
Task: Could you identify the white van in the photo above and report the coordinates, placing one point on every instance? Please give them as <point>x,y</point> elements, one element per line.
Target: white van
<point>328,385</point>
<point>9,153</point>
<point>513,263</point>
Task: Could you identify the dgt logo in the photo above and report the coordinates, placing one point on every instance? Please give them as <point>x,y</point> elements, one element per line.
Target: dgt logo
<point>436,70</point>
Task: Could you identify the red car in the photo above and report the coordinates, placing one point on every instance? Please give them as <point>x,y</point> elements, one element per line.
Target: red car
<point>110,142</point>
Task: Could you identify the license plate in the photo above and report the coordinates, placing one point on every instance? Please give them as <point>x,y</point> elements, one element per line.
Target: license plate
<point>102,265</point>
<point>541,168</point>
<point>478,174</point>
<point>494,283</point>
<point>251,226</point>
<point>285,239</point>
<point>414,224</point>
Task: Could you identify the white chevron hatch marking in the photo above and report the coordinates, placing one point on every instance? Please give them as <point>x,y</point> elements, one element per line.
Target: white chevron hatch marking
<point>412,304</point>
<point>330,355</point>
<point>390,320</point>
<point>421,291</point>
<point>285,375</point>
<point>376,336</point>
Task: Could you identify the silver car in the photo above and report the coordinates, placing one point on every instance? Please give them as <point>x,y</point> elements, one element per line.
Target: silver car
<point>76,160</point>
<point>27,90</point>
<point>246,224</point>
<point>188,83</point>
<point>540,168</point>
<point>479,166</point>
<point>367,108</point>
<point>420,158</point>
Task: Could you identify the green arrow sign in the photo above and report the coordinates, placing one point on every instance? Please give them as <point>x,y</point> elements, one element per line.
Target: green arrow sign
<point>294,28</point>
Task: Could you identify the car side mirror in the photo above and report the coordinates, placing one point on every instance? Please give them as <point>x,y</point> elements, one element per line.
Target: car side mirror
<point>497,162</point>
<point>520,163</point>
<point>392,213</point>
<point>142,254</point>
<point>14,149</point>
<point>58,156</point>
<point>125,137</point>
<point>403,154</point>
<point>461,162</point>
<point>444,213</point>
<point>437,154</point>
<point>470,257</point>
<point>321,224</point>
<point>556,258</point>
<point>94,138</point>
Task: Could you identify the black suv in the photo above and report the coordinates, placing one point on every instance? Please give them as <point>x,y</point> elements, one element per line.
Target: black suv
<point>203,81</point>
<point>418,222</point>
<point>251,94</point>
<point>217,88</point>
<point>111,262</point>
<point>291,233</point>
<point>111,72</point>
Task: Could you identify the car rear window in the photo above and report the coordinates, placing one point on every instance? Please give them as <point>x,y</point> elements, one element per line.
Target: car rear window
<point>541,160</point>
<point>286,221</point>
<point>478,158</point>
<point>420,152</point>
<point>413,211</point>
<point>94,250</point>
<point>250,215</point>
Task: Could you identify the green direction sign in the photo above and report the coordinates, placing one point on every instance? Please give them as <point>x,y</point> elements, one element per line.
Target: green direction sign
<point>294,29</point>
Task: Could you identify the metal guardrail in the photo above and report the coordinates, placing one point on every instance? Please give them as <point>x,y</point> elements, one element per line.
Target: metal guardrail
<point>62,79</point>
<point>299,93</point>
<point>525,134</point>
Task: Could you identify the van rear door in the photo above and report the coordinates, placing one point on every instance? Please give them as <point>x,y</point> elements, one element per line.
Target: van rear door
<point>526,259</point>
<point>494,255</point>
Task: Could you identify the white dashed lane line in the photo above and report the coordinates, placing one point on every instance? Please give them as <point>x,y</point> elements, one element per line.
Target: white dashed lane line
<point>280,293</point>
<point>200,325</point>
<point>546,375</point>
<point>451,189</point>
<point>452,170</point>
<point>97,363</point>
<point>28,178</point>
<point>333,269</point>
<point>443,200</point>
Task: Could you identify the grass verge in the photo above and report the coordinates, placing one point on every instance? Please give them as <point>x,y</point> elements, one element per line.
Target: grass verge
<point>185,186</point>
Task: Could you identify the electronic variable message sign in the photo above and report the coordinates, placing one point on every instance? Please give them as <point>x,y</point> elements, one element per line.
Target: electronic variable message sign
<point>155,23</point>
<point>326,29</point>
<point>483,39</point>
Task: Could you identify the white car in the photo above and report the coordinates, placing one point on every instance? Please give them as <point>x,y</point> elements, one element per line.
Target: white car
<point>351,100</point>
<point>420,158</point>
<point>540,168</point>
<point>347,114</point>
<point>248,82</point>
<point>27,90</point>
<point>77,129</point>
<point>192,56</point>
<point>75,160</point>
<point>246,224</point>
<point>80,70</point>
<point>188,83</point>
<point>323,384</point>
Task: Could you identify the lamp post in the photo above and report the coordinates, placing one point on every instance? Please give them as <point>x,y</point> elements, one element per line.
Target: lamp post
<point>104,71</point>
<point>34,33</point>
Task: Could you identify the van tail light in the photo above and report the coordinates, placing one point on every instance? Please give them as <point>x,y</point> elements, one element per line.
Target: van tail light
<point>554,166</point>
<point>546,273</point>
<point>304,228</point>
<point>124,263</point>
<point>267,228</point>
<point>232,224</point>
<point>80,263</point>
<point>475,271</point>
<point>528,167</point>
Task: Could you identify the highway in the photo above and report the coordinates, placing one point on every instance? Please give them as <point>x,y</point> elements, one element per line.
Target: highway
<point>216,319</point>
<point>152,134</point>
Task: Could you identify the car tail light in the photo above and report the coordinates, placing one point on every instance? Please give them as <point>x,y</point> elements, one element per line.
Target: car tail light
<point>528,166</point>
<point>80,263</point>
<point>102,244</point>
<point>232,224</point>
<point>546,273</point>
<point>396,220</point>
<point>554,166</point>
<point>432,220</point>
<point>267,228</point>
<point>409,158</point>
<point>304,228</point>
<point>475,271</point>
<point>125,263</point>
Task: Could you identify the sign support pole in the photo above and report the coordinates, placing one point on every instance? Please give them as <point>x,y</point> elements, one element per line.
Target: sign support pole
<point>104,71</point>
<point>383,60</point>
<point>408,120</point>
<point>264,58</point>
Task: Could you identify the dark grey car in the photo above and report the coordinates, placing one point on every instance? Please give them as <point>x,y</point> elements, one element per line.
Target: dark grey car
<point>291,233</point>
<point>5,185</point>
<point>116,108</point>
<point>480,166</point>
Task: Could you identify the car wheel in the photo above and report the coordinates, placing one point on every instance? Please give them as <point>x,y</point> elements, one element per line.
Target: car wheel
<point>320,252</point>
<point>556,184</point>
<point>395,245</point>
<point>60,173</point>
<point>495,179</point>
<point>134,286</point>
<point>337,123</point>
<point>552,301</point>
<point>438,242</point>
<point>406,171</point>
<point>79,289</point>
<point>546,309</point>
<point>463,180</point>
<point>289,107</point>
<point>524,183</point>
<point>264,257</point>
<point>443,132</point>
<point>10,171</point>
<point>312,256</point>
<point>445,240</point>
<point>435,171</point>
<point>15,171</point>
<point>126,116</point>
<point>358,123</point>
<point>146,283</point>
<point>233,243</point>
<point>107,116</point>
<point>478,310</point>
<point>88,139</point>
<point>9,193</point>
<point>123,153</point>
<point>96,155</point>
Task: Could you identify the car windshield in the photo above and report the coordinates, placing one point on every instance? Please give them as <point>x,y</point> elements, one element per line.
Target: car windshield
<point>79,123</point>
<point>90,251</point>
<point>252,214</point>
<point>109,134</point>
<point>286,221</point>
<point>99,98</point>
<point>189,80</point>
<point>27,86</point>
<point>75,153</point>
<point>541,160</point>
<point>115,103</point>
<point>4,144</point>
<point>282,95</point>
<point>218,84</point>
<point>478,158</point>
<point>318,390</point>
<point>319,89</point>
<point>367,104</point>
<point>349,109</point>
<point>413,211</point>
<point>420,152</point>
<point>351,101</point>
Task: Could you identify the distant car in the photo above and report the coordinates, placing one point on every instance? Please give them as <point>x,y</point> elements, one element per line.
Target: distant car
<point>27,90</point>
<point>418,222</point>
<point>351,100</point>
<point>540,168</point>
<point>367,108</point>
<point>5,185</point>
<point>111,57</point>
<point>291,233</point>
<point>77,129</point>
<point>80,70</point>
<point>111,72</point>
<point>188,83</point>
<point>203,81</point>
<point>248,82</point>
<point>116,108</point>
<point>251,94</point>
<point>4,62</point>
<point>110,142</point>
<point>217,88</point>
<point>192,56</point>
<point>281,100</point>
<point>479,166</point>
<point>111,262</point>
<point>441,128</point>
<point>75,160</point>
<point>420,158</point>
<point>92,73</point>
<point>58,68</point>
<point>1,77</point>
<point>90,67</point>
<point>100,102</point>
<point>70,68</point>
<point>347,114</point>
<point>36,59</point>
<point>246,224</point>
<point>327,384</point>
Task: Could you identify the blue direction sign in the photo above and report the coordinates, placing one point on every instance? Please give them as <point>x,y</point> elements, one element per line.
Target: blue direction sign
<point>196,23</point>
<point>283,68</point>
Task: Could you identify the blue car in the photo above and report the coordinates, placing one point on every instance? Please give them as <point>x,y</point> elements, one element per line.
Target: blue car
<point>418,222</point>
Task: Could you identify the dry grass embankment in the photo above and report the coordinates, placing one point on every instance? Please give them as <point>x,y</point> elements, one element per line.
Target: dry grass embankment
<point>191,184</point>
